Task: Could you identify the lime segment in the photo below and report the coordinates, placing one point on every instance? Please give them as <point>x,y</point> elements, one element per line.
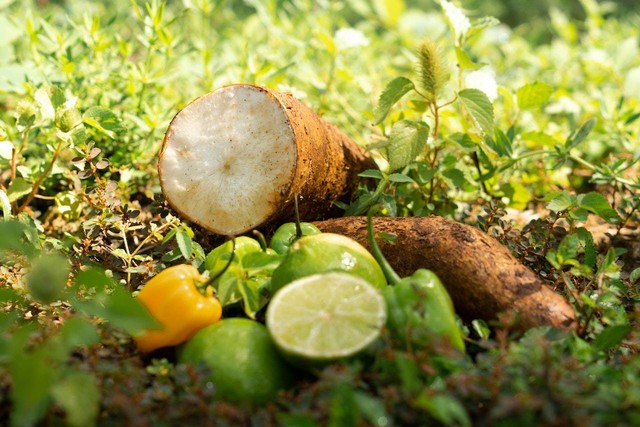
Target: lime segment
<point>324,317</point>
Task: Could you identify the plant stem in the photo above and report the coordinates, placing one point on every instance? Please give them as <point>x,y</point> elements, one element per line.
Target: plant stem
<point>45,173</point>
<point>593,167</point>
<point>436,129</point>
<point>16,153</point>
<point>389,273</point>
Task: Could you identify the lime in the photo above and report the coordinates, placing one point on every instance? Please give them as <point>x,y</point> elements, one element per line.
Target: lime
<point>245,366</point>
<point>321,253</point>
<point>285,235</point>
<point>325,317</point>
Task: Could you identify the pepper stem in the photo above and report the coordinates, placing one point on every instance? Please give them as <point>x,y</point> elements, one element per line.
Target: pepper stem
<point>226,267</point>
<point>261,240</point>
<point>389,273</point>
<point>297,213</point>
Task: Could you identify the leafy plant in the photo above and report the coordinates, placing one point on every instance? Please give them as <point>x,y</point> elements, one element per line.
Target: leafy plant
<point>468,118</point>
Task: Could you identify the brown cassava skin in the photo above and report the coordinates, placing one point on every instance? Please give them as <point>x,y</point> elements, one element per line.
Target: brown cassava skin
<point>328,163</point>
<point>326,168</point>
<point>481,275</point>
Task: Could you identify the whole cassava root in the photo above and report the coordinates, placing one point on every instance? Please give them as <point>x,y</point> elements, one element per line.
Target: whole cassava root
<point>481,275</point>
<point>235,159</point>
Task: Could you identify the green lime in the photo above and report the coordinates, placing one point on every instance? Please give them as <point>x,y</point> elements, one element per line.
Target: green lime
<point>246,367</point>
<point>325,317</point>
<point>321,253</point>
<point>285,235</point>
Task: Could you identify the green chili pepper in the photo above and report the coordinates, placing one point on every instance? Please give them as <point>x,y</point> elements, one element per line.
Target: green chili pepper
<point>420,308</point>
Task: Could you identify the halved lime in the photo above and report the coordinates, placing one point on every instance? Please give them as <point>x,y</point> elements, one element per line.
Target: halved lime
<point>325,317</point>
<point>322,253</point>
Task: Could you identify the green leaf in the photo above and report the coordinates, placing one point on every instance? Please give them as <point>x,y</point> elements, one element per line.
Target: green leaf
<point>32,376</point>
<point>479,106</point>
<point>581,134</point>
<point>342,410</point>
<point>424,173</point>
<point>541,138</point>
<point>78,394</point>
<point>560,201</point>
<point>124,311</point>
<point>568,248</point>
<point>47,277</point>
<point>10,295</point>
<point>464,141</point>
<point>76,332</point>
<point>481,328</point>
<point>634,275</point>
<point>611,337</point>
<point>456,176</point>
<point>464,60</point>
<point>112,303</point>
<point>253,291</point>
<point>104,121</point>
<point>372,408</point>
<point>93,279</point>
<point>608,264</point>
<point>500,143</point>
<point>598,204</point>
<point>227,287</point>
<point>17,236</point>
<point>444,408</point>
<point>5,204</point>
<point>371,173</point>
<point>533,95</point>
<point>406,141</point>
<point>259,262</point>
<point>590,250</point>
<point>400,178</point>
<point>184,243</point>
<point>408,373</point>
<point>391,94</point>
<point>18,188</point>
<point>480,24</point>
<point>296,420</point>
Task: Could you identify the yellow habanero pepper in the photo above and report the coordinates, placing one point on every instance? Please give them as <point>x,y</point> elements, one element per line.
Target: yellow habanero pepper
<point>173,298</point>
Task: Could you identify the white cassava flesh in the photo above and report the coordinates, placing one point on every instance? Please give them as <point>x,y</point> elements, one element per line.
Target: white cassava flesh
<point>233,159</point>
<point>226,157</point>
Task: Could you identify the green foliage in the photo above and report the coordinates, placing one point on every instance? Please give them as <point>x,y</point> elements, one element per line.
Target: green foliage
<point>477,119</point>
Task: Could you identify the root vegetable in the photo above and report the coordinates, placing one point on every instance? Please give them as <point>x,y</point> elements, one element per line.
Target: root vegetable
<point>234,159</point>
<point>481,275</point>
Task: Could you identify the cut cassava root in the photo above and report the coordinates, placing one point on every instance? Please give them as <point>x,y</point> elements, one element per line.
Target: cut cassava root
<point>483,278</point>
<point>234,159</point>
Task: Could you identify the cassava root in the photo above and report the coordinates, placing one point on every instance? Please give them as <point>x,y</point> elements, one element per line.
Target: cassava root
<point>481,275</point>
<point>235,159</point>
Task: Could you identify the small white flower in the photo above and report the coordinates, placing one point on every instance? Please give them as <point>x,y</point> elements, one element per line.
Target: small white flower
<point>349,38</point>
<point>564,105</point>
<point>456,17</point>
<point>484,80</point>
<point>632,83</point>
